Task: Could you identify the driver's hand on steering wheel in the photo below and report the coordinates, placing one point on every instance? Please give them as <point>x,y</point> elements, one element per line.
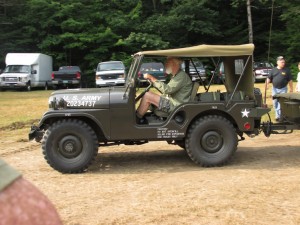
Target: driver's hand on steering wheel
<point>149,77</point>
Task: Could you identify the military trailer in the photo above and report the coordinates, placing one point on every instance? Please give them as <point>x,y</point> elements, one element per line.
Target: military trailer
<point>208,127</point>
<point>290,115</point>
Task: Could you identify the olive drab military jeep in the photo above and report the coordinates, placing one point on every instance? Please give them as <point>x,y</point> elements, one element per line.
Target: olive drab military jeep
<point>208,127</point>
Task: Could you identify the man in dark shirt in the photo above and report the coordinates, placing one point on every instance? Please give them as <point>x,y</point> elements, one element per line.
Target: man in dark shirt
<point>280,77</point>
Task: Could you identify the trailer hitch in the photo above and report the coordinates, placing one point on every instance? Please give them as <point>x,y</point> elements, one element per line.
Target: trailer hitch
<point>267,128</point>
<point>278,128</point>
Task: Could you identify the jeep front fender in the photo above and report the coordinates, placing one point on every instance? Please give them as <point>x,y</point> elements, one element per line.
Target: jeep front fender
<point>97,118</point>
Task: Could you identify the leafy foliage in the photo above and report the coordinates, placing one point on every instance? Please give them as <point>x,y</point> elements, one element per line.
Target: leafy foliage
<point>86,32</point>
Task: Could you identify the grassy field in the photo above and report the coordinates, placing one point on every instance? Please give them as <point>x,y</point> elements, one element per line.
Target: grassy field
<point>27,107</point>
<point>22,107</point>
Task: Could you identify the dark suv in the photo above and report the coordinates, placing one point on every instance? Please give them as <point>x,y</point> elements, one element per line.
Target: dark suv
<point>156,69</point>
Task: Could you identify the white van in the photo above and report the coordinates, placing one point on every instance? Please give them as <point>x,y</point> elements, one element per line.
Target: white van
<point>26,70</point>
<point>110,73</point>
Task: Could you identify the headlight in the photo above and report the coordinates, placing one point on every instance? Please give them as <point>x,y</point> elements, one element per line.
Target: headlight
<point>98,77</point>
<point>122,76</point>
<point>23,79</point>
<point>258,72</point>
<point>50,102</point>
<point>55,103</point>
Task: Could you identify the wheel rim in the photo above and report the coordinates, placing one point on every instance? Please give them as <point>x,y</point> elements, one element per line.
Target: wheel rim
<point>70,146</point>
<point>211,142</point>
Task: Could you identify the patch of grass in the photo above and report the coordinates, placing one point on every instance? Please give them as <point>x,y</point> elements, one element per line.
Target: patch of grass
<point>22,107</point>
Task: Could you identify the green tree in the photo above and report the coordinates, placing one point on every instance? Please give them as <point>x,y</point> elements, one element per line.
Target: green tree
<point>286,37</point>
<point>86,32</point>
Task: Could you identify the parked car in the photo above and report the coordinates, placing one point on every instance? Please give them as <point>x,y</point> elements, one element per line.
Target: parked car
<point>156,69</point>
<point>67,77</point>
<point>196,70</point>
<point>110,73</point>
<point>26,71</point>
<point>262,70</point>
<point>219,77</point>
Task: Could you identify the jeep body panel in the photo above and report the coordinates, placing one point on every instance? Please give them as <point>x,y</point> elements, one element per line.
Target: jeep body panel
<point>118,121</point>
<point>207,126</point>
<point>113,108</point>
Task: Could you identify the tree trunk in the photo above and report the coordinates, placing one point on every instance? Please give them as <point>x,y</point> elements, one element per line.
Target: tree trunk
<point>250,28</point>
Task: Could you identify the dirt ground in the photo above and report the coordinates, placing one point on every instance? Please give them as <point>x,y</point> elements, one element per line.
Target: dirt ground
<point>157,183</point>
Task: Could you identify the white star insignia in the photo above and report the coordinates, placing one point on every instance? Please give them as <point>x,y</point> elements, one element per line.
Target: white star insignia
<point>245,113</point>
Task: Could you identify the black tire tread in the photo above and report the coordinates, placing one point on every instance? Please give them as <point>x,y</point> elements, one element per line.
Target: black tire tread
<point>76,122</point>
<point>191,130</point>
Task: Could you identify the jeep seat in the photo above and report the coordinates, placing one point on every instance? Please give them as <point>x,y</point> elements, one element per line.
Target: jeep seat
<point>194,91</point>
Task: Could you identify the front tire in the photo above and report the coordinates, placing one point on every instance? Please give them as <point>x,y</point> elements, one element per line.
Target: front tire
<point>28,86</point>
<point>70,146</point>
<point>211,141</point>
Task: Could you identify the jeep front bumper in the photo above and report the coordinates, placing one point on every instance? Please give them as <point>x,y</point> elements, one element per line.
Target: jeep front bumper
<point>35,133</point>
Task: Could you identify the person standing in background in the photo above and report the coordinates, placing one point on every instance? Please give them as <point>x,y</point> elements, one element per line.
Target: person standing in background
<point>280,77</point>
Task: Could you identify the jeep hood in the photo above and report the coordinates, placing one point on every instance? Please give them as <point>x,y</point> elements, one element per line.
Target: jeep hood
<point>92,98</point>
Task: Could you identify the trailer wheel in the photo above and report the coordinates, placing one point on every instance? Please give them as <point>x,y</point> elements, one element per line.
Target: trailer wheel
<point>211,141</point>
<point>70,146</point>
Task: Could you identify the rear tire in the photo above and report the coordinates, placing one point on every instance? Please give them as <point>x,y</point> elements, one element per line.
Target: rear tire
<point>70,146</point>
<point>211,141</point>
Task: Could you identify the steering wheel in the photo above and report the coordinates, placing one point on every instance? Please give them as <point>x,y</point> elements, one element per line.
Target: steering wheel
<point>144,92</point>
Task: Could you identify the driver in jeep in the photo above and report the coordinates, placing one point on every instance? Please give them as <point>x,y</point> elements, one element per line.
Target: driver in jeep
<point>176,92</point>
